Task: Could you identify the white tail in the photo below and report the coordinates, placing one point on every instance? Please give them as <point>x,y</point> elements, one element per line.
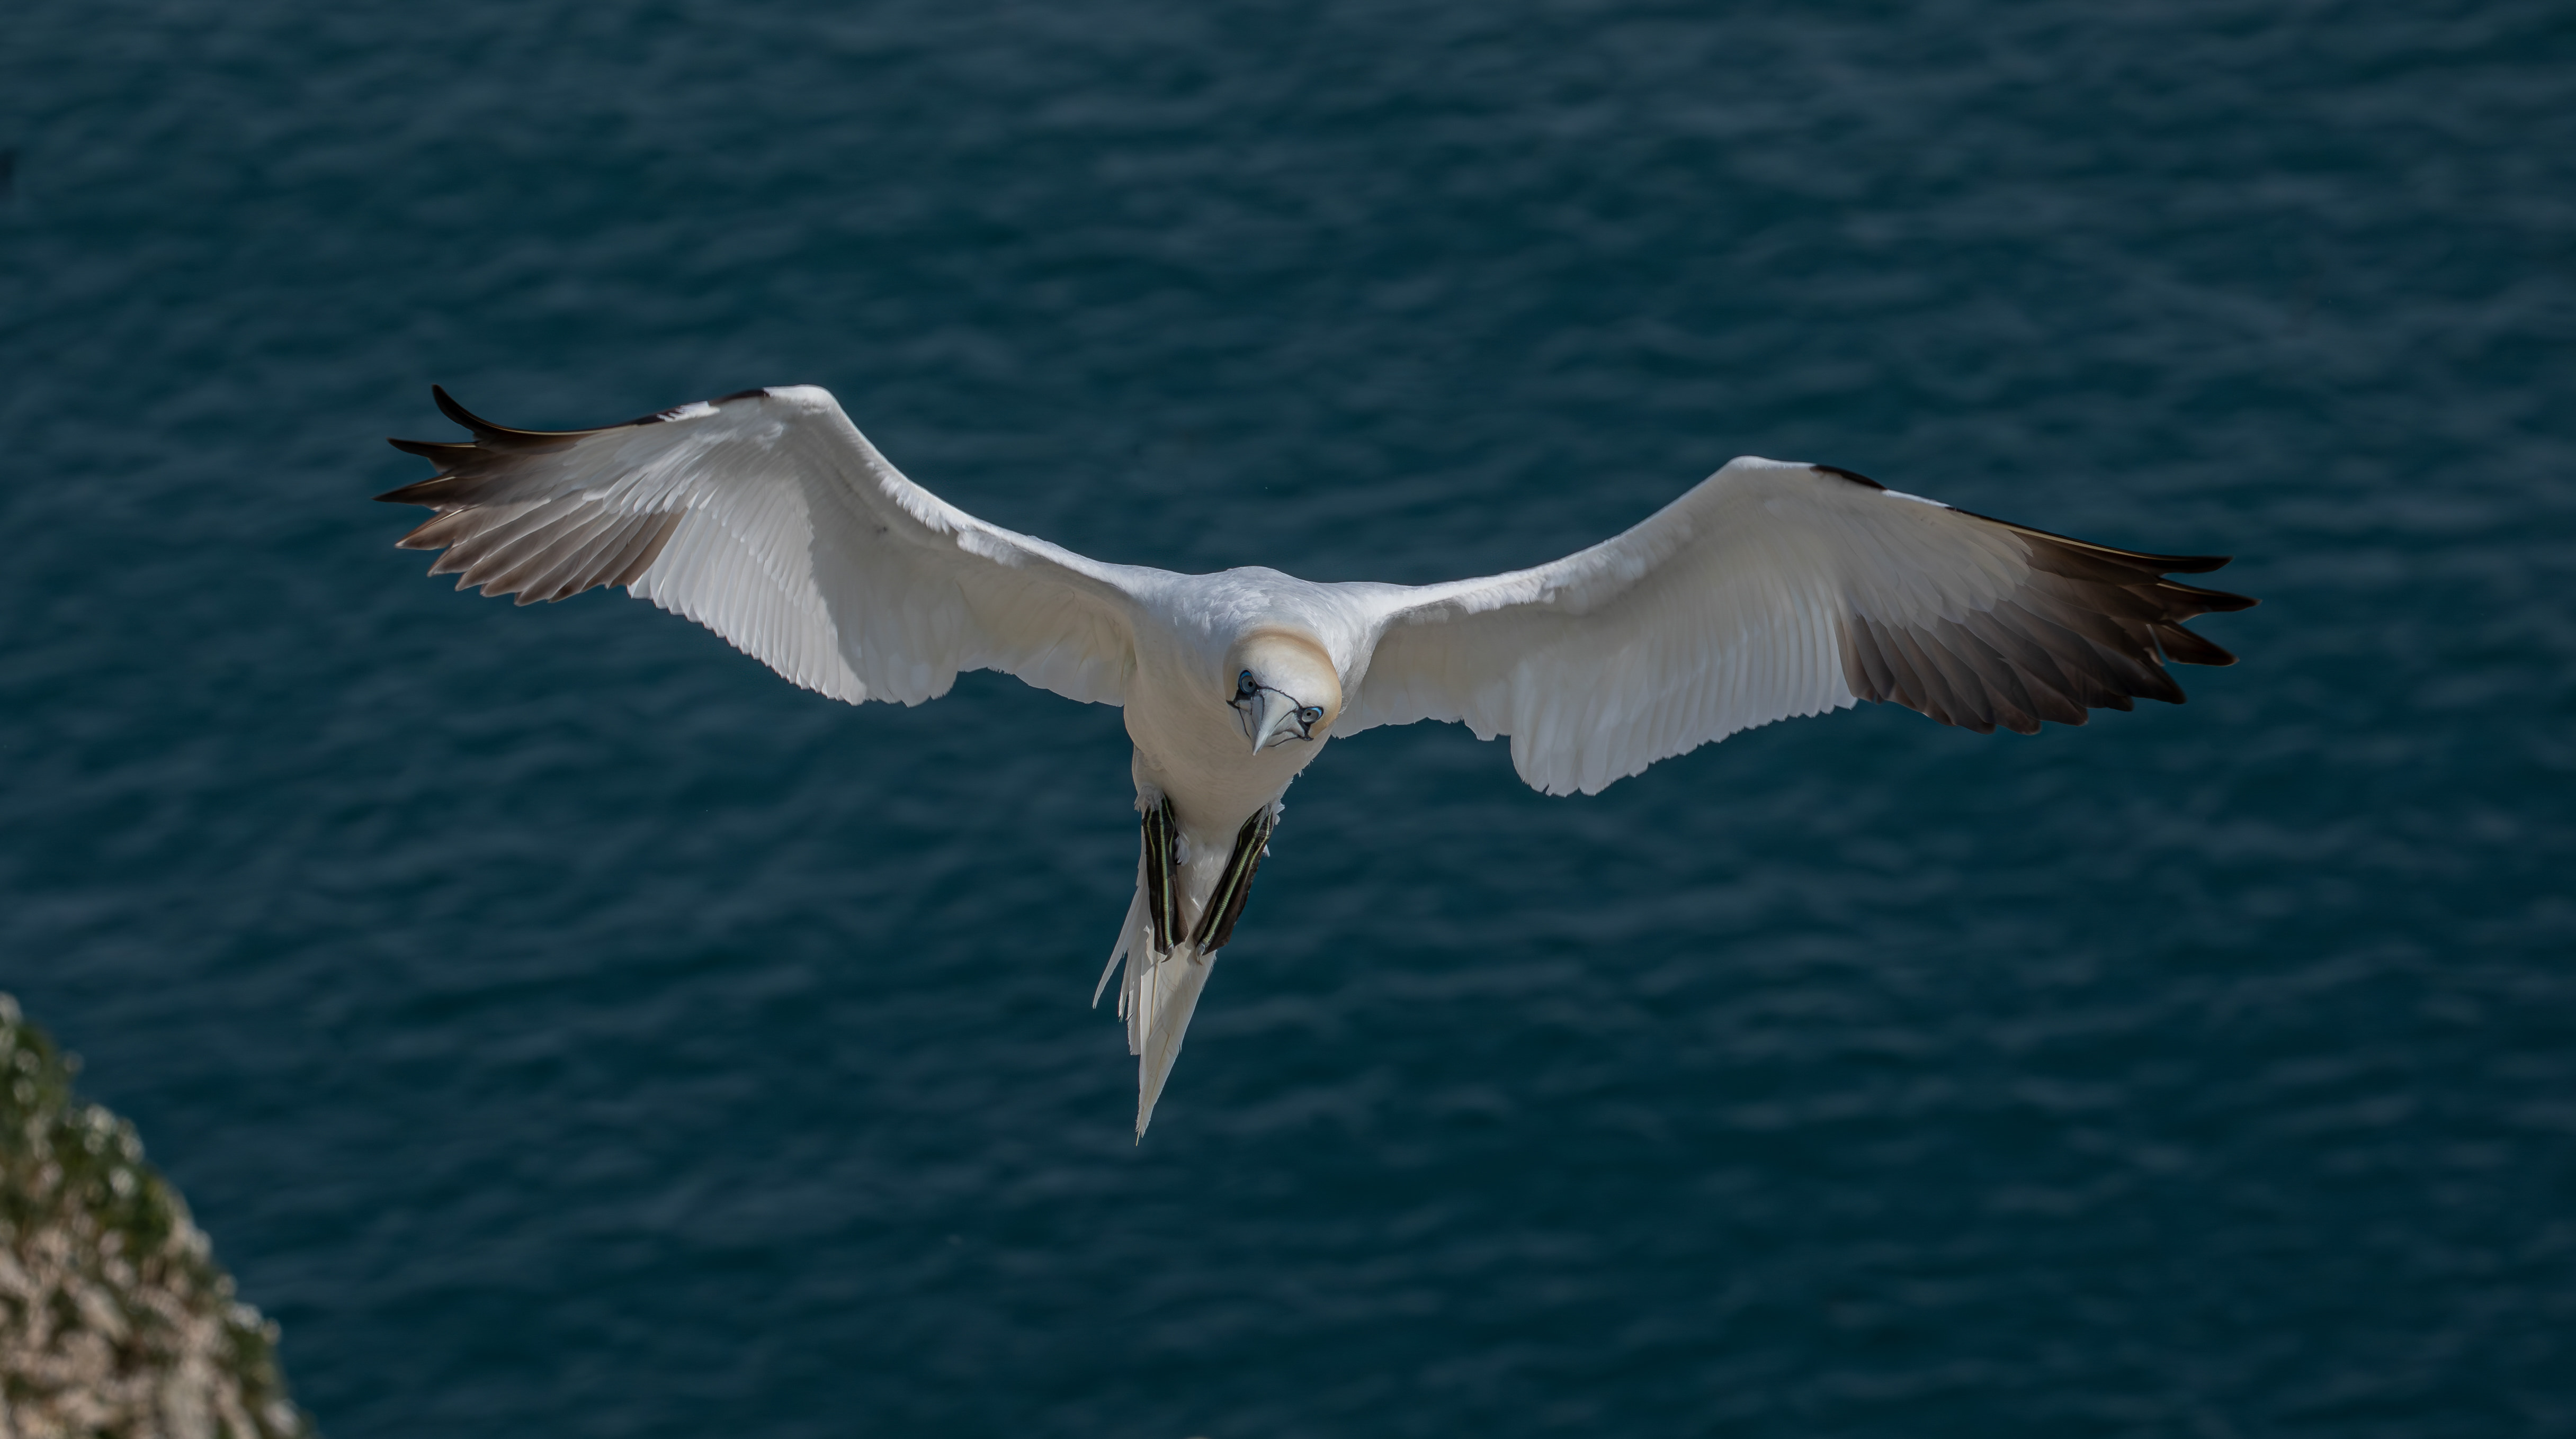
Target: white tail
<point>1157,998</point>
<point>1162,987</point>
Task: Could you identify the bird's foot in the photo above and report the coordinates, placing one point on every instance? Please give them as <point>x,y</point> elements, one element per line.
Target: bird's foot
<point>1234,886</point>
<point>1162,865</point>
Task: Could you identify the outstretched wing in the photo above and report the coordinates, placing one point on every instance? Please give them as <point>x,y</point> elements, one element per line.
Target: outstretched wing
<point>1773,590</point>
<point>767,517</point>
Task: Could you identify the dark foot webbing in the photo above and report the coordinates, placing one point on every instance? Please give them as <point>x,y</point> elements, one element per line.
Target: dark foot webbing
<point>1160,862</point>
<point>1225,904</point>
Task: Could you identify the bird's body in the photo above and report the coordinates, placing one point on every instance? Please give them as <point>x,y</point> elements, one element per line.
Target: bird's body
<point>1770,590</point>
<point>1197,752</point>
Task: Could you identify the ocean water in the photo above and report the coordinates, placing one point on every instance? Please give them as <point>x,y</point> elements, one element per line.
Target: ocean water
<point>565,1027</point>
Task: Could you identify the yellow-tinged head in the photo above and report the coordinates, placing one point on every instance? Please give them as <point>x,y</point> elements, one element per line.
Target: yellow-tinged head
<point>1283,687</point>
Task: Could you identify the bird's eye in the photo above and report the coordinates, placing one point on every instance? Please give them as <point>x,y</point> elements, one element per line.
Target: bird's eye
<point>1310,714</point>
<point>1243,683</point>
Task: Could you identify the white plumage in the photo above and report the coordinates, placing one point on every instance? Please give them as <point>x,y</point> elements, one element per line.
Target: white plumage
<point>1769,590</point>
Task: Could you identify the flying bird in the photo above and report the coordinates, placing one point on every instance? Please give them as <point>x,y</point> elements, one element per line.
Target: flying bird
<point>1769,590</point>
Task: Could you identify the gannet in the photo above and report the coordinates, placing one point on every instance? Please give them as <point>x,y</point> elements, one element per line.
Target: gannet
<point>1769,590</point>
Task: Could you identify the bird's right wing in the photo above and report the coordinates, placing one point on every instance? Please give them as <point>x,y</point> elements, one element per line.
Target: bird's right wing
<point>767,517</point>
<point>1773,590</point>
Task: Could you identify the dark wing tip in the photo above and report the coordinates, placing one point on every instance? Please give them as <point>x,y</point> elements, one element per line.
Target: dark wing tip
<point>2189,564</point>
<point>2091,627</point>
<point>489,432</point>
<point>493,443</point>
<point>2168,564</point>
<point>447,406</point>
<point>2183,647</point>
<point>2161,564</point>
<point>1855,476</point>
<point>2214,601</point>
<point>446,453</point>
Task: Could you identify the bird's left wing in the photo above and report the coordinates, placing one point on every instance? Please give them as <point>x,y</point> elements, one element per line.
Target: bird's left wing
<point>1773,590</point>
<point>767,517</point>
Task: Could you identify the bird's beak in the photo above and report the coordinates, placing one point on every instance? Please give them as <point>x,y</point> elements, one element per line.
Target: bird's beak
<point>1276,713</point>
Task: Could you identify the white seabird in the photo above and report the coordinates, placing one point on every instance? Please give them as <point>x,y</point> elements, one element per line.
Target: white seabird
<point>1769,590</point>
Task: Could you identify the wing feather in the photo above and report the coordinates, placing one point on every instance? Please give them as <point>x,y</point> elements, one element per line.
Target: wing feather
<point>1773,590</point>
<point>767,517</point>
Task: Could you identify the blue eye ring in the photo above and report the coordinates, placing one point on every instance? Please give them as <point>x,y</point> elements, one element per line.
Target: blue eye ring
<point>1310,714</point>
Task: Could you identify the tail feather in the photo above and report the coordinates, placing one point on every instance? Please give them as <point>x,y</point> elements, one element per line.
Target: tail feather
<point>1117,952</point>
<point>1157,997</point>
<point>1168,991</point>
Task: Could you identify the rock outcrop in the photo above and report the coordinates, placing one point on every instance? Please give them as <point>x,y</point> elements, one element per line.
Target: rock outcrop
<point>114,1318</point>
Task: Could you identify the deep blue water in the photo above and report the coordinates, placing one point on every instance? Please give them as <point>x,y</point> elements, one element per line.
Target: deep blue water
<point>567,1028</point>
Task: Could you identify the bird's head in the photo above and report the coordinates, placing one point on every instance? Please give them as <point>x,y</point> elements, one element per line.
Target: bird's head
<point>1282,687</point>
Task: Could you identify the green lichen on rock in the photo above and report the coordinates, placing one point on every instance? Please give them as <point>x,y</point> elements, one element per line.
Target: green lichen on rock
<point>114,1319</point>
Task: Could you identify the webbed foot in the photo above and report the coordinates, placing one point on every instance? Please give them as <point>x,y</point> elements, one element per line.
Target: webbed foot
<point>1234,886</point>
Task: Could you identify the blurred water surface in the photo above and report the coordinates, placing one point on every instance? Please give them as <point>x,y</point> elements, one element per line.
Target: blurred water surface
<point>565,1027</point>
